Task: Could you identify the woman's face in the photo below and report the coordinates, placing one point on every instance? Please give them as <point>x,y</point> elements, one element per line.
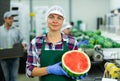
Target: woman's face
<point>55,22</point>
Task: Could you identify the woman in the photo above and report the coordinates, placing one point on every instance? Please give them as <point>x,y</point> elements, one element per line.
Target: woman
<point>45,52</point>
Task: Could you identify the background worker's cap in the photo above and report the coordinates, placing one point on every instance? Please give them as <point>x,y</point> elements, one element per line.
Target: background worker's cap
<point>56,10</point>
<point>65,26</point>
<point>8,14</point>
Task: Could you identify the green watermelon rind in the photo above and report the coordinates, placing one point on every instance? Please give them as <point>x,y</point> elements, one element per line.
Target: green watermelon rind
<point>72,73</point>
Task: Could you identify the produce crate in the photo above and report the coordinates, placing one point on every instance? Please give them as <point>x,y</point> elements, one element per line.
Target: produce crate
<point>16,51</point>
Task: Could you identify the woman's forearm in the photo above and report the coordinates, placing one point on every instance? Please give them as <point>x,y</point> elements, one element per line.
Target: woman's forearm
<point>39,71</point>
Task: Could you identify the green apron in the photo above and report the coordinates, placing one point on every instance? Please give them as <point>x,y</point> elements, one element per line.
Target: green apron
<point>50,57</point>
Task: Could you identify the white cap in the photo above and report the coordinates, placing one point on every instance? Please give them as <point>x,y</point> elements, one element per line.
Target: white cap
<point>65,26</point>
<point>56,10</point>
<point>8,14</point>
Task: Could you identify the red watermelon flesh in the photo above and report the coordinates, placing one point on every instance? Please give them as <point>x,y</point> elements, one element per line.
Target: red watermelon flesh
<point>79,64</point>
<point>76,62</point>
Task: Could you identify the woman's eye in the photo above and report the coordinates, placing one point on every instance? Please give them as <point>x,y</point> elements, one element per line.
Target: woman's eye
<point>51,17</point>
<point>60,18</point>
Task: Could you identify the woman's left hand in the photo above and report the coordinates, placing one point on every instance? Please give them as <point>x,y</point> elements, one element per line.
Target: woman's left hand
<point>56,69</point>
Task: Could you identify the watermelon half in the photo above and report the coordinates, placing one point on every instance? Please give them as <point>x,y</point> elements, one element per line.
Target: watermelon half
<point>76,63</point>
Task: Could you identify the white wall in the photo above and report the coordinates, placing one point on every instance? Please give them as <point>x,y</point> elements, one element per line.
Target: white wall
<point>85,10</point>
<point>63,3</point>
<point>22,23</point>
<point>37,3</point>
<point>114,4</point>
<point>89,10</point>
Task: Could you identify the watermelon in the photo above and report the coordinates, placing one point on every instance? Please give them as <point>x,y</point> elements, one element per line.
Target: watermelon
<point>76,63</point>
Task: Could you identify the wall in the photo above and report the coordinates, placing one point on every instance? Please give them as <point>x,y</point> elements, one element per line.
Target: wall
<point>21,20</point>
<point>114,4</point>
<point>85,10</point>
<point>4,6</point>
<point>63,3</point>
<point>37,3</point>
<point>89,10</point>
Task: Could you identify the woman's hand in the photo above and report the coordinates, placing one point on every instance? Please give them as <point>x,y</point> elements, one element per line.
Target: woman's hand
<point>56,69</point>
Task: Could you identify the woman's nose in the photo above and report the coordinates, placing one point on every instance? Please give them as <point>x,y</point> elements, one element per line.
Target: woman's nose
<point>55,20</point>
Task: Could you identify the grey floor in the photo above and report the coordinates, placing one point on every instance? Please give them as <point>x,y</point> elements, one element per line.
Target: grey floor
<point>22,77</point>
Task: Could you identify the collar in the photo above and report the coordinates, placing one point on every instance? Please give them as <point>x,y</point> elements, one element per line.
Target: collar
<point>63,37</point>
<point>11,27</point>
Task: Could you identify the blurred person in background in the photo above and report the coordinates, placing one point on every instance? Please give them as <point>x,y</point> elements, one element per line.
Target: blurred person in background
<point>10,35</point>
<point>66,28</point>
<point>45,52</point>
